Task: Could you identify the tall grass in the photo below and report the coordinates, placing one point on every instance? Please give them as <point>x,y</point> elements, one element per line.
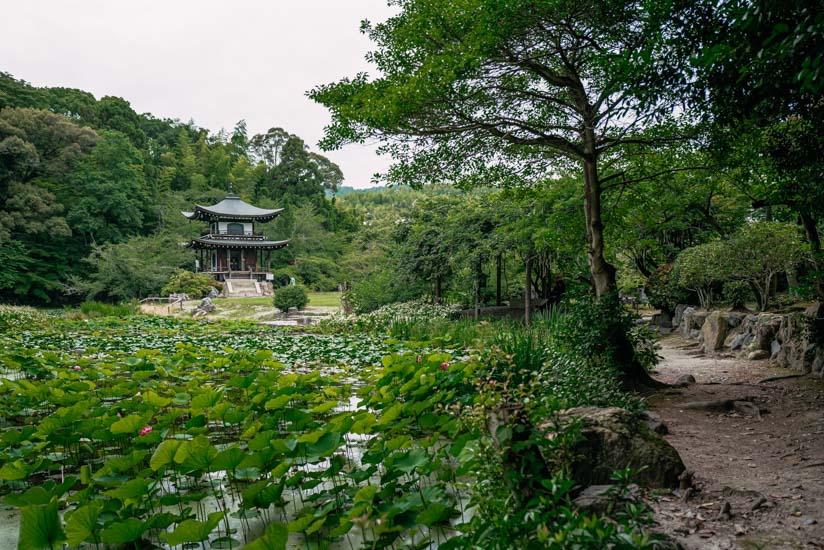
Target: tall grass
<point>92,309</point>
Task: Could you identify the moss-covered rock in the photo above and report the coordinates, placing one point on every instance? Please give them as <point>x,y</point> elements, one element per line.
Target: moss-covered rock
<point>614,438</point>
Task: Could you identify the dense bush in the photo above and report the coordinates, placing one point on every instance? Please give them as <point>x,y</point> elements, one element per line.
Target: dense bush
<point>195,285</point>
<point>662,292</point>
<point>753,255</point>
<point>290,296</point>
<point>736,294</point>
<point>700,269</point>
<point>380,289</point>
<point>318,273</point>
<point>20,317</point>
<point>759,251</point>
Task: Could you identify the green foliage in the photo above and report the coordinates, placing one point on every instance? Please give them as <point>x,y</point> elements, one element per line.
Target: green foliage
<point>185,400</point>
<point>701,268</point>
<point>290,296</point>
<point>761,250</point>
<point>88,183</point>
<point>195,285</point>
<point>381,289</point>
<point>13,318</point>
<point>138,267</point>
<point>736,294</point>
<point>92,309</point>
<point>753,255</point>
<point>318,273</point>
<point>662,291</point>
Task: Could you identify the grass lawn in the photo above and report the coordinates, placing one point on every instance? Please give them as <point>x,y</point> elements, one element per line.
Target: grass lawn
<point>327,299</point>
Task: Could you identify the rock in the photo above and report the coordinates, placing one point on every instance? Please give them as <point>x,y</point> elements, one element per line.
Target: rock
<point>740,341</point>
<point>714,331</point>
<point>726,512</point>
<point>766,330</point>
<point>178,296</point>
<point>685,380</point>
<point>654,422</point>
<point>808,521</point>
<point>679,315</point>
<point>685,480</point>
<point>733,320</point>
<point>695,333</point>
<point>613,439</point>
<point>214,292</point>
<point>775,347</point>
<point>206,306</point>
<point>684,324</point>
<point>758,355</point>
<point>595,499</point>
<point>662,319</point>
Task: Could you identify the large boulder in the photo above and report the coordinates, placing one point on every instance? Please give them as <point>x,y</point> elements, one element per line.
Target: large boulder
<point>766,330</point>
<point>679,315</point>
<point>714,331</point>
<point>691,322</point>
<point>798,348</point>
<point>615,438</point>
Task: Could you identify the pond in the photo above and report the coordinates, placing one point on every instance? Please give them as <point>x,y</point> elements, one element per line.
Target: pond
<point>187,433</point>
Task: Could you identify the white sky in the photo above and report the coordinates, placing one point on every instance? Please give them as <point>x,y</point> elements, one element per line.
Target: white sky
<point>215,62</point>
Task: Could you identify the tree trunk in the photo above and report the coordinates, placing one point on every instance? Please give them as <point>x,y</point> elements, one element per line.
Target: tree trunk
<point>478,274</point>
<point>437,299</point>
<point>603,273</point>
<point>528,292</point>
<point>813,237</point>
<point>633,375</point>
<point>498,262</point>
<point>811,230</point>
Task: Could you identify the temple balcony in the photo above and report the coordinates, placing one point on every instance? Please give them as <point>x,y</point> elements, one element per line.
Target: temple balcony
<point>252,235</point>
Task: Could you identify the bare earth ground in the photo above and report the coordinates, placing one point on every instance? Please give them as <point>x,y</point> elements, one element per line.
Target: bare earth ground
<point>769,469</point>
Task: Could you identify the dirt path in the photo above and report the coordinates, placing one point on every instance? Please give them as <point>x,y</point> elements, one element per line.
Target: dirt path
<point>769,469</point>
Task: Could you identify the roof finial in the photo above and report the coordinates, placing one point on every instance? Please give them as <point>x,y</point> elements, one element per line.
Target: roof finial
<point>230,187</point>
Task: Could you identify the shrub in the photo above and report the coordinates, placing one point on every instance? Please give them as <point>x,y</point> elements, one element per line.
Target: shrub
<point>318,273</point>
<point>380,289</point>
<point>290,296</point>
<point>736,294</point>
<point>753,255</point>
<point>761,250</point>
<point>701,268</point>
<point>662,291</point>
<point>195,285</point>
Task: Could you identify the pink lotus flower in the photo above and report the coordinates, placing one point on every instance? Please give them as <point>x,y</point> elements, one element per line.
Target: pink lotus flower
<point>419,359</point>
<point>119,415</point>
<point>145,430</point>
<point>444,366</point>
<point>76,367</point>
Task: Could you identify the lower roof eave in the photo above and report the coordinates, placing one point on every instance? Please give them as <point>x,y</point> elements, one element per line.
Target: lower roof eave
<point>210,244</point>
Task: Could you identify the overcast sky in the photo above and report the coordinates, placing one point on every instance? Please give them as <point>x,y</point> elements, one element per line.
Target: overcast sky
<point>215,62</point>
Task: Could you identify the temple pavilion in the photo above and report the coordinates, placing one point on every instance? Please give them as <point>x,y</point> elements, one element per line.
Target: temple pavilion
<point>233,248</point>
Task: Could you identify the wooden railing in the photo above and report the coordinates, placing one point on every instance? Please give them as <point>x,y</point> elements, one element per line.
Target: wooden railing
<point>228,234</point>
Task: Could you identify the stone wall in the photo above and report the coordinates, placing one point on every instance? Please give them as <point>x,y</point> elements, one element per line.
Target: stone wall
<point>781,337</point>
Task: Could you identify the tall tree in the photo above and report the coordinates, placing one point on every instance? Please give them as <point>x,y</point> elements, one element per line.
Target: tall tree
<point>487,91</point>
